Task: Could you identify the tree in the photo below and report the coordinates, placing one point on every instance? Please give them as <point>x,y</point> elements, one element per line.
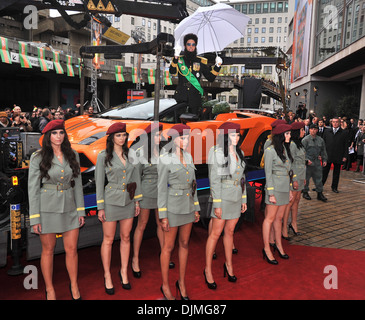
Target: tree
<point>348,106</point>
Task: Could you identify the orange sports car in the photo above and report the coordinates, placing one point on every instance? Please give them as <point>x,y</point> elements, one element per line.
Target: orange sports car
<point>87,133</point>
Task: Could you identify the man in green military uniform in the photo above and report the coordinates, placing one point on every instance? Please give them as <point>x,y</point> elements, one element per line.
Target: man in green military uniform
<point>315,150</point>
<point>189,67</point>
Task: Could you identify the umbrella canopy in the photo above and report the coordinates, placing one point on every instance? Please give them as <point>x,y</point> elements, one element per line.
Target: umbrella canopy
<point>216,27</point>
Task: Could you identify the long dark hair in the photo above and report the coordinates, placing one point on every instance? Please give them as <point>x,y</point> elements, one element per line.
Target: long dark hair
<point>47,156</point>
<point>110,148</point>
<point>295,137</point>
<point>278,141</point>
<point>225,147</point>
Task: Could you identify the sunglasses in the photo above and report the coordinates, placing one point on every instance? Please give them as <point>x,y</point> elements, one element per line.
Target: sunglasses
<point>191,44</point>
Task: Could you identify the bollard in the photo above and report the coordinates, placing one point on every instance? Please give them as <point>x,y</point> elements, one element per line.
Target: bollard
<point>16,234</point>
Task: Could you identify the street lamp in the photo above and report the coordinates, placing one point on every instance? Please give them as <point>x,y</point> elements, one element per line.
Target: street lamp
<point>305,95</point>
<point>297,93</point>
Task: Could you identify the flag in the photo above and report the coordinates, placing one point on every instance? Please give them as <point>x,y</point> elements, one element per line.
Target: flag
<point>56,62</point>
<point>42,59</point>
<point>23,58</point>
<point>70,70</point>
<point>168,80</point>
<point>134,75</point>
<point>119,74</point>
<point>151,76</point>
<point>80,67</point>
<point>4,52</point>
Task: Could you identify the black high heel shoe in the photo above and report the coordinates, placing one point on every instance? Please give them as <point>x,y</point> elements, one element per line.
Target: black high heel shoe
<point>295,232</point>
<point>282,256</point>
<point>79,298</point>
<point>136,274</point>
<point>211,285</point>
<point>163,293</point>
<point>267,258</point>
<point>109,291</point>
<point>178,289</point>
<point>126,286</point>
<point>225,271</point>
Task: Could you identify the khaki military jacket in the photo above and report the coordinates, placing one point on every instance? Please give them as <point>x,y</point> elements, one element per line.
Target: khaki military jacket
<point>314,147</point>
<point>298,165</point>
<point>147,172</point>
<point>276,171</point>
<point>118,176</point>
<point>175,185</point>
<point>56,193</point>
<point>225,181</point>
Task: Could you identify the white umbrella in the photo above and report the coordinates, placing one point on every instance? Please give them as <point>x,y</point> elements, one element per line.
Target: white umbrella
<point>216,27</point>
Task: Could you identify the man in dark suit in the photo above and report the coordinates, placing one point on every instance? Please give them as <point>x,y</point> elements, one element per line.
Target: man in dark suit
<point>337,148</point>
<point>321,128</point>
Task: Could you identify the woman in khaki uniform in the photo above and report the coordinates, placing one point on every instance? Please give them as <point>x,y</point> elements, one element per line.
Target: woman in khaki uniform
<point>178,204</point>
<point>277,171</point>
<point>117,201</point>
<point>298,153</point>
<point>56,202</point>
<point>227,184</point>
<point>144,154</point>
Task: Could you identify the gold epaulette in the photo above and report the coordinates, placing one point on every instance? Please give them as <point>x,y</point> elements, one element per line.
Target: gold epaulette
<point>203,60</point>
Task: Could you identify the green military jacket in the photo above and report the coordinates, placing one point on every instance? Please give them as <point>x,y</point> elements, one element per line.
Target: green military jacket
<point>276,171</point>
<point>225,181</point>
<point>56,193</point>
<point>175,185</point>
<point>118,176</point>
<point>314,147</point>
<point>298,165</point>
<point>147,172</point>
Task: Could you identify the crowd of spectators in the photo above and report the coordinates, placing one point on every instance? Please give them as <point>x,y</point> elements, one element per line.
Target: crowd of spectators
<point>353,128</point>
<point>36,120</point>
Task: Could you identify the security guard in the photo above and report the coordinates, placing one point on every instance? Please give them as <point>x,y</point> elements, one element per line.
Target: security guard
<point>189,67</point>
<point>315,151</point>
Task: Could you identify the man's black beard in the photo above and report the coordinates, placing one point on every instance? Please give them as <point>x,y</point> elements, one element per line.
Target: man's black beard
<point>190,56</point>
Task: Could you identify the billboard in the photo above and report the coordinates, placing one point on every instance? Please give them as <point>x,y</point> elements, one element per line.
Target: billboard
<point>301,38</point>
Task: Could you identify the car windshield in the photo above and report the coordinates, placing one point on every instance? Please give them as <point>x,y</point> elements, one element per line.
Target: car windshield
<point>140,109</point>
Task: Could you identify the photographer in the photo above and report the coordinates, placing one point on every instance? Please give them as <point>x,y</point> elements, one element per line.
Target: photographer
<point>22,122</point>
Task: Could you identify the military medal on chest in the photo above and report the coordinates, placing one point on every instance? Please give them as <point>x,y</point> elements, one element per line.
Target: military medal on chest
<point>196,66</point>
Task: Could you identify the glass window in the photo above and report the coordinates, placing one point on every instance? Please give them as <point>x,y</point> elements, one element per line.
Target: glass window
<point>263,20</point>
<point>258,7</point>
<point>256,40</point>
<point>248,39</point>
<point>280,7</point>
<point>263,30</point>
<point>262,39</point>
<point>257,20</point>
<point>251,8</point>
<point>265,7</point>
<point>272,7</point>
<point>244,8</point>
<point>272,20</point>
<point>140,109</point>
<point>256,30</point>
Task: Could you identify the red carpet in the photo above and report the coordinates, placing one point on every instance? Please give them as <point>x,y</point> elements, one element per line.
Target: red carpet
<point>299,278</point>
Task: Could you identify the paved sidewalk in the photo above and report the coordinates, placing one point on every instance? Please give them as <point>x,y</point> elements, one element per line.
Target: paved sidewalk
<point>339,223</point>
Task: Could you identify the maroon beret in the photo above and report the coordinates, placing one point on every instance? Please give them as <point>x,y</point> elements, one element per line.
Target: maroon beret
<point>116,127</point>
<point>178,129</point>
<point>277,122</point>
<point>228,127</point>
<point>54,125</point>
<point>297,125</point>
<point>153,127</point>
<point>281,128</point>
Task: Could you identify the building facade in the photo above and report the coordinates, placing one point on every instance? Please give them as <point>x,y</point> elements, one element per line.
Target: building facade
<point>268,27</point>
<point>330,67</point>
